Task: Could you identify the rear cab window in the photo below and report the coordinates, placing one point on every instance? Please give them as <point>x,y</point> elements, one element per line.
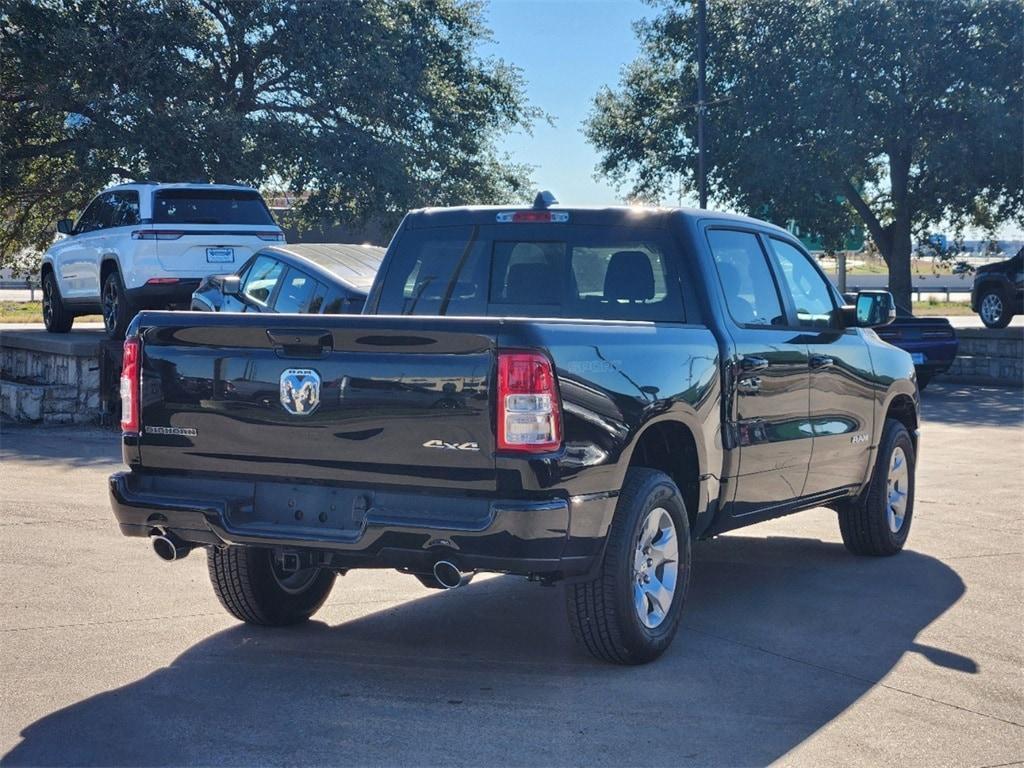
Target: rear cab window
<point>210,206</point>
<point>534,270</point>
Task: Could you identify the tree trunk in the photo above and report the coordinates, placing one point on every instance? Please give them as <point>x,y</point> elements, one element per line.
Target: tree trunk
<point>897,256</point>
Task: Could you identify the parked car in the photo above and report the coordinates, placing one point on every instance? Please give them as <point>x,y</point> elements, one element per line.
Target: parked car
<point>312,278</point>
<point>998,292</point>
<point>147,246</point>
<point>931,342</point>
<point>564,394</point>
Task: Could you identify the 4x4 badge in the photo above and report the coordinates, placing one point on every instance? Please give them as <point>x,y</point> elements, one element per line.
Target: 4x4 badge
<point>444,446</point>
<point>300,390</point>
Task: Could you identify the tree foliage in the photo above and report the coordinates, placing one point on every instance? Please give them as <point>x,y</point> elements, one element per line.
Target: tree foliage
<point>364,107</point>
<point>896,113</point>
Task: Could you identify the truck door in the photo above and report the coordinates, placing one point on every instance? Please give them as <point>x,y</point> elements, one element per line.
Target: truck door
<point>841,390</point>
<point>767,410</point>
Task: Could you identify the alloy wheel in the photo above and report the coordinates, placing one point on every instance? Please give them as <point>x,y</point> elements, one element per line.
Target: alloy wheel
<point>110,299</point>
<point>48,299</point>
<point>898,488</point>
<point>655,568</point>
<point>991,308</point>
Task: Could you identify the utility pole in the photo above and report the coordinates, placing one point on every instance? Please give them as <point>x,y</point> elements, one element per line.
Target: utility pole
<point>702,53</point>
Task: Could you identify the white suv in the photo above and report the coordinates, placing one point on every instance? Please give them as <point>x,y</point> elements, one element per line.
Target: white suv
<point>147,246</point>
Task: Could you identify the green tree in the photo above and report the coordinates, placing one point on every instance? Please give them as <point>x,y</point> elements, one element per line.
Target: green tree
<point>367,107</point>
<point>902,113</point>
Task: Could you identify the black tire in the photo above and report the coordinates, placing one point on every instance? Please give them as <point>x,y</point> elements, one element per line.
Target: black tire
<point>865,522</point>
<point>994,319</point>
<point>56,317</point>
<point>602,613</point>
<point>118,310</point>
<point>250,587</point>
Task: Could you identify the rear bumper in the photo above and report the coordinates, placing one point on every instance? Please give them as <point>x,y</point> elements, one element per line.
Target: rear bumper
<point>160,295</point>
<point>936,355</point>
<point>367,528</point>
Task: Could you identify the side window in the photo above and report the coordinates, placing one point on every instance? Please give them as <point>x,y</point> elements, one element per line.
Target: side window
<point>339,302</point>
<point>812,296</point>
<point>747,281</point>
<point>89,220</point>
<point>125,209</point>
<point>436,272</point>
<point>262,279</point>
<point>297,289</point>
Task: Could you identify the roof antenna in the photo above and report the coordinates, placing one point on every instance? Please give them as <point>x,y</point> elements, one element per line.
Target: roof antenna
<point>544,199</point>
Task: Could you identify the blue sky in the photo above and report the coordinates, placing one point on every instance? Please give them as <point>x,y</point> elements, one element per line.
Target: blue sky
<point>567,50</point>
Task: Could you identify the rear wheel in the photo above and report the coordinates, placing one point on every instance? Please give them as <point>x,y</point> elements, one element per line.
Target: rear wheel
<point>878,522</point>
<point>994,309</point>
<point>118,310</point>
<point>629,613</point>
<point>251,585</point>
<point>56,317</point>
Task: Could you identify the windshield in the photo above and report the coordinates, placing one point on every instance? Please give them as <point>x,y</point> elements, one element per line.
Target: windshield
<point>210,206</point>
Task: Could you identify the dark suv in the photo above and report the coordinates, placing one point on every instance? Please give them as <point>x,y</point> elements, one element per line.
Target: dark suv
<point>998,292</point>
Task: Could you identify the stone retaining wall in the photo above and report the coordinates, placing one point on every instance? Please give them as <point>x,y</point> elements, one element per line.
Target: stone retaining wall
<point>53,380</point>
<point>988,356</point>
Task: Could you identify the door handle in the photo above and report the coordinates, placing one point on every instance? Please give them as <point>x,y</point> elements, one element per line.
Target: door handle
<point>750,364</point>
<point>821,361</point>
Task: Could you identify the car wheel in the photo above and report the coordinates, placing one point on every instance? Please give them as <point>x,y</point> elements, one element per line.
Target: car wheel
<point>118,311</point>
<point>251,585</point>
<point>993,309</point>
<point>629,613</point>
<point>56,317</point>
<point>878,521</point>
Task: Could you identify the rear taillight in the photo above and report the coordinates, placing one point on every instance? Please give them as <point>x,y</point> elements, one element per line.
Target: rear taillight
<point>157,234</point>
<point>529,413</point>
<point>273,237</point>
<point>130,375</point>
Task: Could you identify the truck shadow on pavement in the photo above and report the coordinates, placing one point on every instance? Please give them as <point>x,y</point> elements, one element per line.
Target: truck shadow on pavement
<point>780,636</point>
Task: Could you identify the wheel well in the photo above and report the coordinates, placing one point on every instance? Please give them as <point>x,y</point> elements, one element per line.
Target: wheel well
<point>46,268</point>
<point>669,446</point>
<point>108,266</point>
<point>903,410</point>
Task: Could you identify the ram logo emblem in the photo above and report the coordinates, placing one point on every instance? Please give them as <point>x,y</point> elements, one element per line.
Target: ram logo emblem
<point>300,390</point>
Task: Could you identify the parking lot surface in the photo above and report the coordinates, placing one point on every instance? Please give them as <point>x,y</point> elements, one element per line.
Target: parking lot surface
<point>791,650</point>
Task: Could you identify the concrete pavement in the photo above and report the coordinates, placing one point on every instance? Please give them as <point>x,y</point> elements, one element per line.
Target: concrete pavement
<point>792,650</point>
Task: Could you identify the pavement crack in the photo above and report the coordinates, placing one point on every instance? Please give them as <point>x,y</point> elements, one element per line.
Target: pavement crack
<point>848,675</point>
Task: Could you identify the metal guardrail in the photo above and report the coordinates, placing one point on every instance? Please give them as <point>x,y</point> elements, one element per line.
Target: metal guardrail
<point>29,284</point>
<point>917,292</point>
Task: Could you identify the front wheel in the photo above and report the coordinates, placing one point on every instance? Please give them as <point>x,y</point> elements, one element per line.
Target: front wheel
<point>993,309</point>
<point>878,521</point>
<point>56,317</point>
<point>252,586</point>
<point>629,613</point>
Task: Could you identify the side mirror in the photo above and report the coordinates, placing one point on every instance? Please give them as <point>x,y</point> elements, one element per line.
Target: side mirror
<point>231,285</point>
<point>65,226</point>
<point>872,309</point>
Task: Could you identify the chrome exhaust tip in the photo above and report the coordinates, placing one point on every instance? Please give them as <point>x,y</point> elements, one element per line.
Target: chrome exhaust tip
<point>169,547</point>
<point>449,576</point>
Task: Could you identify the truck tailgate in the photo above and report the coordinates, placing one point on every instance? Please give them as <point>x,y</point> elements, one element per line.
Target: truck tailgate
<point>384,400</point>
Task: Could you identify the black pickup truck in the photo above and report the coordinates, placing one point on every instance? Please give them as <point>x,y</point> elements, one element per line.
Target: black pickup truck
<point>565,394</point>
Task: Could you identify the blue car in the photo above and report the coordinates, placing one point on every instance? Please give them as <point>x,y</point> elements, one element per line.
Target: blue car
<point>931,342</point>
